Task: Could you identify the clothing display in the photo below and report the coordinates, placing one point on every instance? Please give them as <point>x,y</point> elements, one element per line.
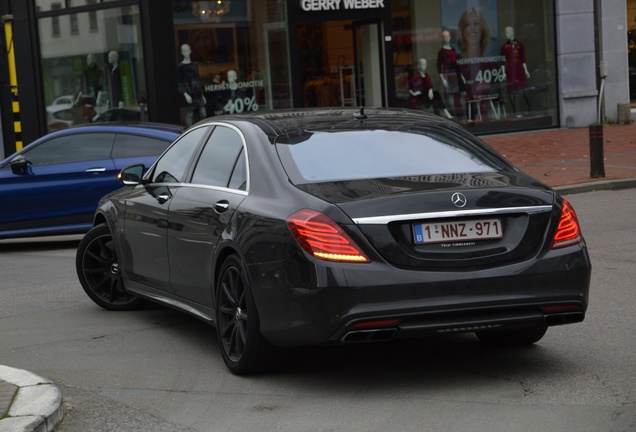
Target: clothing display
<point>515,55</point>
<point>421,82</point>
<point>448,68</point>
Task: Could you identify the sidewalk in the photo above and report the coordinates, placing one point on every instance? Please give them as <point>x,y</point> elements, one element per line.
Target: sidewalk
<point>559,158</point>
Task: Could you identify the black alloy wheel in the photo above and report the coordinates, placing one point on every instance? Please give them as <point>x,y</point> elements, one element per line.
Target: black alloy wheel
<point>243,348</point>
<point>99,272</point>
<point>513,337</point>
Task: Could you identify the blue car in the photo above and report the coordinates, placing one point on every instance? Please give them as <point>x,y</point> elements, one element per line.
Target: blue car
<point>53,185</point>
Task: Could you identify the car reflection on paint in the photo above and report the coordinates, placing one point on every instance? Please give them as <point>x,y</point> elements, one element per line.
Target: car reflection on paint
<point>338,226</point>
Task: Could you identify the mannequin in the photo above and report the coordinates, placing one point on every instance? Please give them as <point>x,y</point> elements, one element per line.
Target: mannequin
<point>422,93</point>
<point>114,80</point>
<point>92,78</point>
<point>231,79</point>
<point>448,69</point>
<point>190,88</point>
<point>515,70</point>
<point>233,94</point>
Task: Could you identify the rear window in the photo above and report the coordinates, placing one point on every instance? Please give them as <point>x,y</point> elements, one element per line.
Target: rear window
<point>348,155</point>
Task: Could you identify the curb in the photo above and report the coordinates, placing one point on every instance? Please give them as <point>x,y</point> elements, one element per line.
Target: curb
<point>37,405</point>
<point>596,186</point>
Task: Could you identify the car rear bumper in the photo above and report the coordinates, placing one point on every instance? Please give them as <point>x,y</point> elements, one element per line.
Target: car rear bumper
<point>369,302</point>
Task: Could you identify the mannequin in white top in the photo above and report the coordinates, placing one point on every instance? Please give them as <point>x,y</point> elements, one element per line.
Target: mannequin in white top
<point>114,80</point>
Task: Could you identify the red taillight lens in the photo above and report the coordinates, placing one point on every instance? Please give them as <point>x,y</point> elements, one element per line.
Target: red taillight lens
<point>377,323</point>
<point>568,232</point>
<point>323,238</point>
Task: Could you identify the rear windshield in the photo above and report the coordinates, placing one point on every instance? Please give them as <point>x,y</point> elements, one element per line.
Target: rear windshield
<point>348,155</point>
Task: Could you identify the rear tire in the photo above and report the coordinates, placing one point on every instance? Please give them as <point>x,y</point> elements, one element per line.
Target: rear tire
<point>514,337</point>
<point>99,273</point>
<point>244,349</point>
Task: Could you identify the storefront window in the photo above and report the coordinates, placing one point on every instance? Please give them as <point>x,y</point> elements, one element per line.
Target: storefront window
<point>232,56</point>
<point>94,64</point>
<point>485,63</point>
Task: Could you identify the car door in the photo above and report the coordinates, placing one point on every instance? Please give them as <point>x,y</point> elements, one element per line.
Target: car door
<point>65,178</point>
<point>201,210</point>
<point>146,222</point>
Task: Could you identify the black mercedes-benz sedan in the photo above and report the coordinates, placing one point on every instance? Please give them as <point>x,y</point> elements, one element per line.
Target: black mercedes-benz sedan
<point>308,227</point>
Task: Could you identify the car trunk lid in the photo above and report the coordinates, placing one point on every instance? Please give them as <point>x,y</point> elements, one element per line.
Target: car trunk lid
<point>447,221</point>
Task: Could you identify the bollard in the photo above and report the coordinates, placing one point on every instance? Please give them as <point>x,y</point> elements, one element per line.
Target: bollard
<point>597,164</point>
<point>624,113</point>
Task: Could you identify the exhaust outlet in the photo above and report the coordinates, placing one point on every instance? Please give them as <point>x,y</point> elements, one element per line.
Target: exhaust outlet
<point>377,335</point>
<point>564,318</point>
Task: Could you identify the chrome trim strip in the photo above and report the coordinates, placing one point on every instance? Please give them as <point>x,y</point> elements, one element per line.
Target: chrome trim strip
<point>202,186</point>
<point>218,188</point>
<point>383,220</point>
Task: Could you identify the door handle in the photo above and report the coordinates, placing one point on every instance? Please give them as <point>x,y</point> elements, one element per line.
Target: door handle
<point>91,170</point>
<point>221,206</point>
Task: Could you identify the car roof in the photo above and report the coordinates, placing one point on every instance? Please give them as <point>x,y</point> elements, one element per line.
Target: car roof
<point>126,127</point>
<point>298,121</point>
<point>158,130</point>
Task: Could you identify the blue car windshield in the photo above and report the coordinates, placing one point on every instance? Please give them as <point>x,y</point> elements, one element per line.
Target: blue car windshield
<point>348,155</point>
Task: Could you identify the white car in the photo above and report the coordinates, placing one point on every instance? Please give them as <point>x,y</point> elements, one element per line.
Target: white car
<point>59,114</point>
<point>61,103</point>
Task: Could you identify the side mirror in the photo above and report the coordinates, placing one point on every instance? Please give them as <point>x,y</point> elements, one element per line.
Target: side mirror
<point>19,164</point>
<point>131,175</point>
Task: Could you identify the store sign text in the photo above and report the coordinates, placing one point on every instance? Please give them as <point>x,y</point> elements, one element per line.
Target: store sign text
<point>329,5</point>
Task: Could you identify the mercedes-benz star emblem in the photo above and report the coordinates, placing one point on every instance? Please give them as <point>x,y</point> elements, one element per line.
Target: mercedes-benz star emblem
<point>458,199</point>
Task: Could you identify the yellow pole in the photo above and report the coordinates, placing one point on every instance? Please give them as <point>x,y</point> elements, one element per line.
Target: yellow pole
<point>13,80</point>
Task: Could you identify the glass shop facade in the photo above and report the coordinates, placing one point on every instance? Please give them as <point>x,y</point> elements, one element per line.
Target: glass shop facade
<point>490,65</point>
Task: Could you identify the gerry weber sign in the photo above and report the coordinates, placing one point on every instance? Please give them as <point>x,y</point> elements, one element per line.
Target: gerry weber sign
<point>335,5</point>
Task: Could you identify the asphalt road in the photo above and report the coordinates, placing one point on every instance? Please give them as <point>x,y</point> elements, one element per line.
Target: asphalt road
<point>160,370</point>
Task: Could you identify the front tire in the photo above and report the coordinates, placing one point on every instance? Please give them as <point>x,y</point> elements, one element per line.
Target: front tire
<point>243,348</point>
<point>513,337</point>
<point>98,270</point>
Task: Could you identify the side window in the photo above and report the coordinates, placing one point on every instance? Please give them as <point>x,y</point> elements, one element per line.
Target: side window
<point>220,160</point>
<point>171,167</point>
<point>72,148</point>
<point>136,145</point>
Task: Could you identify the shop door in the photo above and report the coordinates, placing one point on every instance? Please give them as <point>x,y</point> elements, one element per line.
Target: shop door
<point>341,64</point>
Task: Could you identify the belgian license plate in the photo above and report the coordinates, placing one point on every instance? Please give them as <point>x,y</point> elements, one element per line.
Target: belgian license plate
<point>454,231</point>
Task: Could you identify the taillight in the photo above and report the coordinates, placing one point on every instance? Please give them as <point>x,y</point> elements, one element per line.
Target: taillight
<point>376,323</point>
<point>323,238</point>
<point>568,231</point>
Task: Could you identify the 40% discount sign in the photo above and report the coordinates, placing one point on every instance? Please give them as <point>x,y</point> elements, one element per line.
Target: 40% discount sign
<point>240,105</point>
<point>490,75</point>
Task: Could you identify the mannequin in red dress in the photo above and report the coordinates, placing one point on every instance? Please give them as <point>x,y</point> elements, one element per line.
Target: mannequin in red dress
<point>515,70</point>
<point>422,93</point>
